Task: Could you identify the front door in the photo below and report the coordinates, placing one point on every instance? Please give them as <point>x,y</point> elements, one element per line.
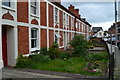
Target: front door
<point>4,45</point>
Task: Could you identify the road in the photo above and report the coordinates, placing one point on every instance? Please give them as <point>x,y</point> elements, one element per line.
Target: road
<point>11,74</point>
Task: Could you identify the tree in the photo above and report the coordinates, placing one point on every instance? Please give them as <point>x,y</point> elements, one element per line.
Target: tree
<point>79,45</point>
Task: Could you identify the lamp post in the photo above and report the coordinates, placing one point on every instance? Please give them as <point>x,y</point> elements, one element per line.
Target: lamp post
<point>115,25</point>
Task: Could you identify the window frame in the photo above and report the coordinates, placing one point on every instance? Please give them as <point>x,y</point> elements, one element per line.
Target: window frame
<point>64,20</point>
<point>56,15</point>
<point>35,37</point>
<point>34,7</point>
<point>56,37</point>
<point>8,5</point>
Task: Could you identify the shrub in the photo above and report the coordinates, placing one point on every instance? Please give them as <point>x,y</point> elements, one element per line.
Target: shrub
<point>103,56</point>
<point>23,62</point>
<point>37,58</point>
<point>44,51</point>
<point>79,45</point>
<point>54,51</point>
<point>64,55</point>
<point>31,60</point>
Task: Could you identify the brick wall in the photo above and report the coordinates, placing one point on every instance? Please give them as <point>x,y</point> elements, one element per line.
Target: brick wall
<point>23,40</point>
<point>22,11</point>
<point>61,19</point>
<point>51,37</point>
<point>51,16</point>
<point>43,13</point>
<point>43,38</point>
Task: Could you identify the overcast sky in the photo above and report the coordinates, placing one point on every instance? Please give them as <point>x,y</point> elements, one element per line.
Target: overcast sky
<point>98,14</point>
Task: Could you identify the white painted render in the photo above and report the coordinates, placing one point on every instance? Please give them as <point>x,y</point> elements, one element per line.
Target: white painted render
<point>1,61</point>
<point>12,49</point>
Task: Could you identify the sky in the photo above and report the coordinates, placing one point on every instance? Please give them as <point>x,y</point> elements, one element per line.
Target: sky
<point>98,14</point>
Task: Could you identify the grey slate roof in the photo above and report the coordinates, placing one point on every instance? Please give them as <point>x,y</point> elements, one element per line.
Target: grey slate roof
<point>96,29</point>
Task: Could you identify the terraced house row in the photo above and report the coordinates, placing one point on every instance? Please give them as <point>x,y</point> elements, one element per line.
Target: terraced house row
<point>33,24</point>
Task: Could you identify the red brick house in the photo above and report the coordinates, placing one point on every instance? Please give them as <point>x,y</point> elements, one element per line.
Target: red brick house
<point>29,26</point>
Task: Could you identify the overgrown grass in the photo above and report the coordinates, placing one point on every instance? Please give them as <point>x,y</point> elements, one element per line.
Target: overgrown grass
<point>72,65</point>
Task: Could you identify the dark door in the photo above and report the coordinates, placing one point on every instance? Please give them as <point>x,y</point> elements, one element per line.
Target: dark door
<point>4,45</point>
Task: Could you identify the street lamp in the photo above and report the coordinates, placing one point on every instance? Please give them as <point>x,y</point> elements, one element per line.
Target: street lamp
<point>115,26</point>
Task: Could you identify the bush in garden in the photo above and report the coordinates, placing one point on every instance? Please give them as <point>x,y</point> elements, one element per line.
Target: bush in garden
<point>44,51</point>
<point>64,55</point>
<point>38,58</point>
<point>90,44</point>
<point>79,45</point>
<point>54,51</point>
<point>23,62</point>
<point>31,60</point>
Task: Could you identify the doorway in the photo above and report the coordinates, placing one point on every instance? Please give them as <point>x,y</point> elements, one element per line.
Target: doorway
<point>4,45</point>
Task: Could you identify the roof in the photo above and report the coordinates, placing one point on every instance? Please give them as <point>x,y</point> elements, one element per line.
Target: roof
<point>96,29</point>
<point>64,8</point>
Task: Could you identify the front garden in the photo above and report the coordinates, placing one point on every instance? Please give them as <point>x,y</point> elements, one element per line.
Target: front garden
<point>77,61</point>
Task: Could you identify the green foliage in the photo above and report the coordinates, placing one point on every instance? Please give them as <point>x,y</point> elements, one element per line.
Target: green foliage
<point>44,51</point>
<point>64,55</point>
<point>39,58</point>
<point>99,56</point>
<point>30,61</point>
<point>72,64</point>
<point>54,51</point>
<point>23,62</point>
<point>90,44</point>
<point>79,45</point>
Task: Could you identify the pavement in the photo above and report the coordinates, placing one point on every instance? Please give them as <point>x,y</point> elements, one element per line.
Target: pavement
<point>14,73</point>
<point>111,48</point>
<point>31,74</point>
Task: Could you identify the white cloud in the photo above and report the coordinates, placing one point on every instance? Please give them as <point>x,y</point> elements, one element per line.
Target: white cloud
<point>99,14</point>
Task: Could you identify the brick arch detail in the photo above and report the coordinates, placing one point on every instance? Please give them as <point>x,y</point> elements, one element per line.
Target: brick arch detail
<point>8,16</point>
<point>34,21</point>
<point>56,26</point>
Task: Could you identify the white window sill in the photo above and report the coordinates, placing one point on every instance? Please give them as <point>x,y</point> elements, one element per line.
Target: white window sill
<point>61,47</point>
<point>34,49</point>
<point>8,8</point>
<point>33,15</point>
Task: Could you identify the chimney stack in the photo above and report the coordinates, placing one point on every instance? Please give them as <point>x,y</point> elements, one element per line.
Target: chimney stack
<point>72,9</point>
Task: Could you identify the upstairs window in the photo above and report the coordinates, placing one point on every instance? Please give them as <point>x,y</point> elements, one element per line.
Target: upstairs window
<point>34,38</point>
<point>72,22</point>
<point>6,3</point>
<point>67,20</point>
<point>34,7</point>
<point>63,18</point>
<point>56,15</point>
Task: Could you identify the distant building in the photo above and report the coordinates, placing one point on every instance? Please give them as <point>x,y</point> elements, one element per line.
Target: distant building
<point>112,30</point>
<point>96,29</point>
<point>98,32</point>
